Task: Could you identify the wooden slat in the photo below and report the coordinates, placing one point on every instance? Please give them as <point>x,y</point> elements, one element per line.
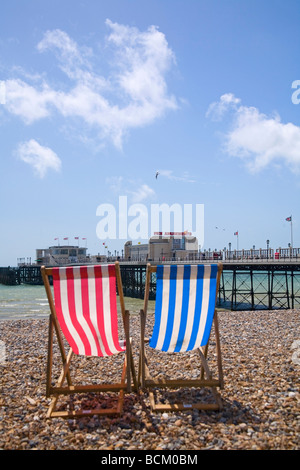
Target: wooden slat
<point>185,407</point>
<point>81,413</point>
<point>182,383</point>
<point>88,389</point>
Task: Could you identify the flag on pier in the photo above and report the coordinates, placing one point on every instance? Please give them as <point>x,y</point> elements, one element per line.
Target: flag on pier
<point>289,219</point>
<point>236,233</point>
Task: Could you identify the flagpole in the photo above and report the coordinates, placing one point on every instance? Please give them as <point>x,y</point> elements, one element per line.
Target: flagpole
<point>290,219</point>
<point>237,240</point>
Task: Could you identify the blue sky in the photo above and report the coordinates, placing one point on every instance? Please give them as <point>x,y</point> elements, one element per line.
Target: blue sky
<point>96,96</point>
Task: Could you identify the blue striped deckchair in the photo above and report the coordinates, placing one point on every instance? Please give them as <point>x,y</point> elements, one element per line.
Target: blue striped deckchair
<point>184,313</point>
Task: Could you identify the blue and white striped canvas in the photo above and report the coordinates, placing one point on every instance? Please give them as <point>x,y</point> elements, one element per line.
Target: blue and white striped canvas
<point>185,304</point>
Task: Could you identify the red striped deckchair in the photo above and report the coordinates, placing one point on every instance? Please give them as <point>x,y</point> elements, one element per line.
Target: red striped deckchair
<point>184,313</point>
<point>84,314</point>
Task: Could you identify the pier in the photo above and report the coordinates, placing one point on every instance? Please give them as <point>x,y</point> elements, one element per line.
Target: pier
<point>245,285</point>
<point>260,286</point>
<point>21,275</point>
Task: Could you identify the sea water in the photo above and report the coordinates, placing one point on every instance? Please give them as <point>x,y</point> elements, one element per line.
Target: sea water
<point>26,301</point>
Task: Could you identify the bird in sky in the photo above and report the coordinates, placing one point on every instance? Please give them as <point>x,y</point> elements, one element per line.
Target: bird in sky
<point>156,174</point>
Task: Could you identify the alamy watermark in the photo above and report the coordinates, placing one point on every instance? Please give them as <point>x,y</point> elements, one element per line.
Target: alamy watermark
<point>296,94</point>
<point>296,353</point>
<point>2,353</point>
<point>138,222</point>
<point>2,92</point>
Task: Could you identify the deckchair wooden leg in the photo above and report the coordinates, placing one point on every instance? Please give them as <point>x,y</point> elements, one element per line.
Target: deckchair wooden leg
<point>133,373</point>
<point>116,410</point>
<point>52,407</point>
<point>209,377</point>
<point>58,389</point>
<point>121,393</point>
<point>218,348</point>
<point>65,369</point>
<point>204,364</point>
<point>205,350</point>
<point>141,374</point>
<point>128,351</point>
<point>209,382</point>
<point>59,383</point>
<point>140,377</point>
<point>49,358</point>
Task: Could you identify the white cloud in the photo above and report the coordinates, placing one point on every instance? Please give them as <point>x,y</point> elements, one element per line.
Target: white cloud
<point>40,158</point>
<point>261,140</point>
<point>115,183</point>
<point>138,192</point>
<point>217,109</point>
<point>133,95</point>
<point>143,59</point>
<point>169,175</point>
<point>142,193</point>
<point>59,40</point>
<point>28,102</point>
<point>73,61</point>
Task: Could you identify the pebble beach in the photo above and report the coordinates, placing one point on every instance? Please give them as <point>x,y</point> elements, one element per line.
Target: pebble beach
<point>261,365</point>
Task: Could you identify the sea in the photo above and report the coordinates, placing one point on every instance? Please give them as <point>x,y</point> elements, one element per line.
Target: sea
<point>30,301</point>
<point>27,301</point>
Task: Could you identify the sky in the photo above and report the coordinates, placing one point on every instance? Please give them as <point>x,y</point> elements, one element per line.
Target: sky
<point>97,96</point>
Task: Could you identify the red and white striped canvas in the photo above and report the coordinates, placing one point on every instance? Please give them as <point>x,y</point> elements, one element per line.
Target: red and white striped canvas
<point>86,308</point>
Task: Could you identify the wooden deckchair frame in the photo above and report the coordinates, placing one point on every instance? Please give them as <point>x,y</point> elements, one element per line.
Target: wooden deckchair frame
<point>205,377</point>
<point>123,386</point>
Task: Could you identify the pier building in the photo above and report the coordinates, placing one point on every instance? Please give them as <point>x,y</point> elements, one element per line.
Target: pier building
<point>60,255</point>
<point>162,247</point>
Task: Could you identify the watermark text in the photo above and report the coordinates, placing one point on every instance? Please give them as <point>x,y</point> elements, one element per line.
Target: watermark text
<point>296,94</point>
<point>2,353</point>
<point>138,222</point>
<point>2,92</point>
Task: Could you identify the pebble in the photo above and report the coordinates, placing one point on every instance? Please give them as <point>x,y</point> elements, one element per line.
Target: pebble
<point>261,394</point>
